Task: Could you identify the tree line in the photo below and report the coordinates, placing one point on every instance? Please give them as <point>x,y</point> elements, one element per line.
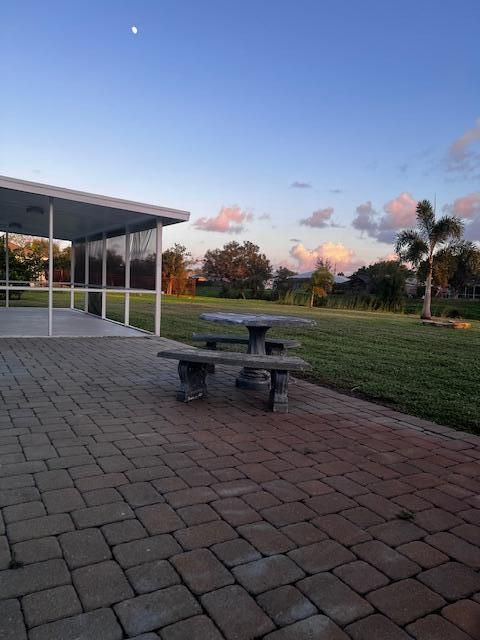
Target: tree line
<point>433,257</point>
<point>28,258</point>
<point>434,253</point>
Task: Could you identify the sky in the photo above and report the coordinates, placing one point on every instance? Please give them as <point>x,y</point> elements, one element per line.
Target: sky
<point>310,127</point>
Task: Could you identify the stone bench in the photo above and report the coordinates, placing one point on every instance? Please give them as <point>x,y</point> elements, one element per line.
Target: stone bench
<point>193,368</point>
<point>273,346</point>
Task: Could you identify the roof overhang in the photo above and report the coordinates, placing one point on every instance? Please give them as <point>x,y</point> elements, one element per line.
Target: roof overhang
<point>308,274</point>
<point>24,209</point>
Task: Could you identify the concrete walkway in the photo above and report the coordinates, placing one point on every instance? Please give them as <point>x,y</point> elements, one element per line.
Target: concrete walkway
<point>30,322</point>
<point>128,515</point>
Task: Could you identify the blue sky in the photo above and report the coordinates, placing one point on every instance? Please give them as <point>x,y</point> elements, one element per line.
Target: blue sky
<point>219,107</point>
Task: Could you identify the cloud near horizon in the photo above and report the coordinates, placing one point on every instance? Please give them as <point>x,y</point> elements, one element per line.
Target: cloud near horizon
<point>298,184</point>
<point>390,257</point>
<point>228,220</point>
<point>337,253</point>
<point>461,158</point>
<point>399,213</point>
<point>319,219</point>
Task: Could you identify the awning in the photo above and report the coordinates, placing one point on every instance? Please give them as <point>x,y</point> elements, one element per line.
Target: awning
<point>24,209</point>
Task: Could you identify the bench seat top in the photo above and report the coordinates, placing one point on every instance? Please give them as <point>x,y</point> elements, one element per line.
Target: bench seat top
<point>233,339</point>
<point>192,354</point>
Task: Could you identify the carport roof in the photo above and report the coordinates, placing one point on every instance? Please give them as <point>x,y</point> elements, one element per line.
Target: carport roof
<point>24,209</point>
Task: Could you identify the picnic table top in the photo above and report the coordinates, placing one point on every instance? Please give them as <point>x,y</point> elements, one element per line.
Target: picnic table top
<point>256,320</point>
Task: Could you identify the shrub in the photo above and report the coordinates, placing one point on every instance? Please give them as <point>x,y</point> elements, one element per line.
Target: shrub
<point>453,313</point>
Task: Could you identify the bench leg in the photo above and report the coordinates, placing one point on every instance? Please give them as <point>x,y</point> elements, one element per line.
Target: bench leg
<point>192,381</point>
<point>279,392</point>
<point>211,346</point>
<point>275,350</point>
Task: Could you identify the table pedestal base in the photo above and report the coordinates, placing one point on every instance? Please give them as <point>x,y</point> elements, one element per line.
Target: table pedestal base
<point>256,379</point>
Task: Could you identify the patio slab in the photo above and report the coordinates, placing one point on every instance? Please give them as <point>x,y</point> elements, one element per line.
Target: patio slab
<point>26,322</point>
<point>218,519</point>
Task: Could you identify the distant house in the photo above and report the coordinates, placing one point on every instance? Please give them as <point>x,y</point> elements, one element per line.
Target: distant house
<point>360,282</point>
<point>301,278</point>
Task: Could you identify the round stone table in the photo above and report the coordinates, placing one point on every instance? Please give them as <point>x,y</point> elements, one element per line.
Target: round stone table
<point>257,325</point>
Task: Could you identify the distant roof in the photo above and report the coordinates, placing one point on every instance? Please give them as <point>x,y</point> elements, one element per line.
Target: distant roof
<point>24,209</point>
<point>308,274</point>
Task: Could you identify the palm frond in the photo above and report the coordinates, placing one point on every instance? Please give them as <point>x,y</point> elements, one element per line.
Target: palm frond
<point>425,218</point>
<point>411,247</point>
<point>405,237</point>
<point>457,247</point>
<point>447,228</point>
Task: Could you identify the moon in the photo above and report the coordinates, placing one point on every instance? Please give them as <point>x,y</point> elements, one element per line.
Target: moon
<point>134,29</point>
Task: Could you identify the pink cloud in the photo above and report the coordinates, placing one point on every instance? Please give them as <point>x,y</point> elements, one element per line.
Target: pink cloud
<point>467,206</point>
<point>319,218</point>
<point>337,253</point>
<point>461,158</point>
<point>460,147</point>
<point>390,257</point>
<point>399,213</point>
<point>228,220</point>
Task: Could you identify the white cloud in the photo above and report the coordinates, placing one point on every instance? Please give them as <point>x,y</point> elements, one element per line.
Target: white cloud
<point>338,254</point>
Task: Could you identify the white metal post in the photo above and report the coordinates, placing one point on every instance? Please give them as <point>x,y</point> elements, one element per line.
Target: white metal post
<point>127,277</point>
<point>72,276</point>
<point>158,278</point>
<point>104,276</point>
<point>87,272</point>
<point>50,266</point>
<point>7,272</point>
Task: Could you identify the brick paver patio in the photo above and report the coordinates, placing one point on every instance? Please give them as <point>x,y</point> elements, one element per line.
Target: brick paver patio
<point>126,514</point>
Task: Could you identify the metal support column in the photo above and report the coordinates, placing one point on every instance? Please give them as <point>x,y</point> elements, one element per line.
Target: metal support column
<point>87,271</point>
<point>158,278</point>
<point>7,272</point>
<point>104,276</point>
<point>50,266</point>
<point>72,276</point>
<point>127,277</point>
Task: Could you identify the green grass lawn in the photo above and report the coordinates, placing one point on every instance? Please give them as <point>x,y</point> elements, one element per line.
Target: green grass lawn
<point>393,359</point>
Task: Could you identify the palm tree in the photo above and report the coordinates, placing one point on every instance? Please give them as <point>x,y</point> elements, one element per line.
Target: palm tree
<point>420,244</point>
<point>320,283</point>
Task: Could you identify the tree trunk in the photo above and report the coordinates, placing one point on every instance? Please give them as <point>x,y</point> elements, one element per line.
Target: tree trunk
<point>427,300</point>
<point>312,299</point>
